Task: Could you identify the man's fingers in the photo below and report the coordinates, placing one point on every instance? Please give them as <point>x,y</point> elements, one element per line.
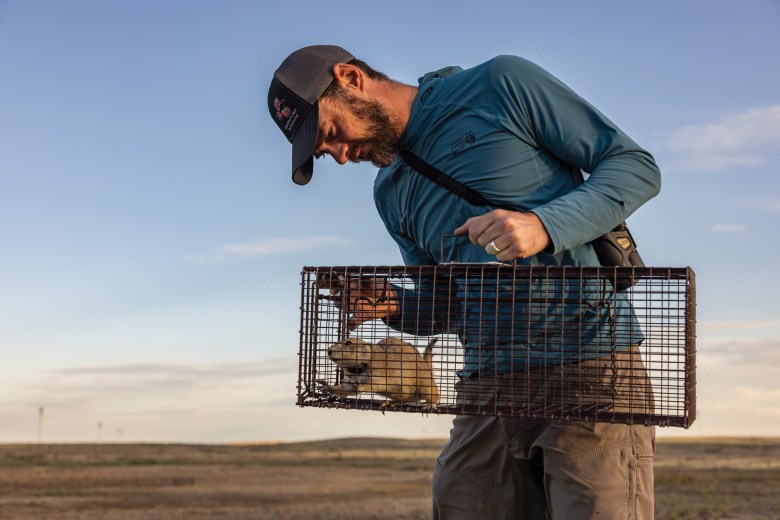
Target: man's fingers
<point>516,234</point>
<point>464,228</point>
<point>367,310</point>
<point>370,298</point>
<point>474,227</point>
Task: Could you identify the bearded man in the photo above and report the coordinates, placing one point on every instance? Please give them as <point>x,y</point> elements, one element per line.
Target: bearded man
<point>516,134</point>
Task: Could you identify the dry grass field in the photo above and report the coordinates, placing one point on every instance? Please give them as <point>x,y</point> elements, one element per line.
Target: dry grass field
<point>334,480</point>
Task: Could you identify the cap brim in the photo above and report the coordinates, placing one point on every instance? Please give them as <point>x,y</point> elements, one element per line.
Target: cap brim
<point>302,175</point>
<point>303,147</point>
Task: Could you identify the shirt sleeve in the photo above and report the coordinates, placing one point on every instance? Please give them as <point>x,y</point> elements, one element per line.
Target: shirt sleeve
<point>548,115</point>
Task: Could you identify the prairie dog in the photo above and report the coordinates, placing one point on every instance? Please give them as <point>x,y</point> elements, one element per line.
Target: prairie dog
<point>392,368</point>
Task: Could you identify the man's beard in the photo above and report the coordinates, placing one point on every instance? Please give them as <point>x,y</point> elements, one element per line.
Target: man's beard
<point>382,143</point>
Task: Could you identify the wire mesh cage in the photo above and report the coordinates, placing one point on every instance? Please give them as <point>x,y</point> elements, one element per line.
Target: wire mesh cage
<point>557,343</point>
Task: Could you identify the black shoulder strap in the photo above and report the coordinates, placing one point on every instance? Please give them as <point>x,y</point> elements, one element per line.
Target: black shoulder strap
<point>616,248</point>
<point>444,180</point>
<point>459,189</point>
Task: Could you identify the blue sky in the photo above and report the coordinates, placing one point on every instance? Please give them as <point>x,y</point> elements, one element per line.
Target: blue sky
<point>152,240</point>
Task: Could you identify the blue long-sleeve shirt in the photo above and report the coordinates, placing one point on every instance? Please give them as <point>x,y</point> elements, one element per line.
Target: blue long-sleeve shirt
<point>513,132</point>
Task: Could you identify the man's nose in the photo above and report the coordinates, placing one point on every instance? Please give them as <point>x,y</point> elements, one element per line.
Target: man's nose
<point>340,153</point>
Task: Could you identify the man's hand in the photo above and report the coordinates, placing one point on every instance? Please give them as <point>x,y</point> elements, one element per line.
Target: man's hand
<point>507,234</point>
<point>366,297</point>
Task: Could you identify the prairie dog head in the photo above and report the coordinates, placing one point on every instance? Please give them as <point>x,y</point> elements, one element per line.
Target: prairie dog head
<point>351,353</point>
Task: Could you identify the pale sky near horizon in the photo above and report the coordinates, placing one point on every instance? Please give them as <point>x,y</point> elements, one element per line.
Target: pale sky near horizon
<point>152,241</point>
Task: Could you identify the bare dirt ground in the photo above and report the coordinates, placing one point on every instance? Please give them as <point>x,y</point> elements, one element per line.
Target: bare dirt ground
<point>334,480</point>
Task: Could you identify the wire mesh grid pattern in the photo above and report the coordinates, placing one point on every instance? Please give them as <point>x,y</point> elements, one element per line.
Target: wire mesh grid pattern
<point>557,343</point>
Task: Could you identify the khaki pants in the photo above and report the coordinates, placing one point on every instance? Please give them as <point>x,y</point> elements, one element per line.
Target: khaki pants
<point>501,467</point>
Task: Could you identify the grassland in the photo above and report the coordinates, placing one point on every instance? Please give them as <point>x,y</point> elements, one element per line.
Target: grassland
<point>334,480</point>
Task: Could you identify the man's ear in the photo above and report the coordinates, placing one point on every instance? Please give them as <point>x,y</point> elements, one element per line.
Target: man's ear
<point>349,76</point>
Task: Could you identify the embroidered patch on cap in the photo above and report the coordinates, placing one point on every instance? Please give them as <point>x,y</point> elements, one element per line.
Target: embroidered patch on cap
<point>282,110</point>
<point>287,109</point>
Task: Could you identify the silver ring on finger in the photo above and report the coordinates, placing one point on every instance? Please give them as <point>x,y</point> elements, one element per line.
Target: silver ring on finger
<point>493,249</point>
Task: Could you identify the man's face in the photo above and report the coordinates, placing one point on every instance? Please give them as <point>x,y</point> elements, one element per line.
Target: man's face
<point>355,129</point>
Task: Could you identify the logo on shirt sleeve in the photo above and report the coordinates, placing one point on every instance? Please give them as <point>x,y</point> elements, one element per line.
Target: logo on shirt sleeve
<point>459,145</point>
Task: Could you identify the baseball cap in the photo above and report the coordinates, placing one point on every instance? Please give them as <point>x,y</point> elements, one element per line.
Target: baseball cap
<point>295,89</point>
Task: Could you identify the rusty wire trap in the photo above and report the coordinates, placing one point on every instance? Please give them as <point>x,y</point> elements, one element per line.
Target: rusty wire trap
<point>558,343</point>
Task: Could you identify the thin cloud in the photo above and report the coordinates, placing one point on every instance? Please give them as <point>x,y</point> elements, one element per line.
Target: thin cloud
<point>76,383</point>
<point>162,401</point>
<point>151,385</point>
<point>729,228</point>
<point>178,372</point>
<point>767,206</point>
<point>710,326</point>
<point>743,139</point>
<point>752,353</point>
<point>269,247</point>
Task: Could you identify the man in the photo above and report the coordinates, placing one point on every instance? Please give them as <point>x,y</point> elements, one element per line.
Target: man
<point>519,136</point>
